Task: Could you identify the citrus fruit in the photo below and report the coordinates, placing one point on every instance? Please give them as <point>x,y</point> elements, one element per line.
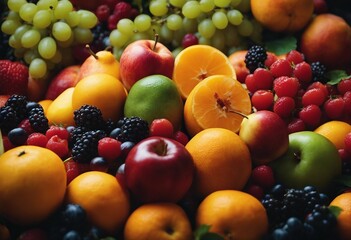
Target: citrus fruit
<point>32,184</point>
<point>221,159</point>
<point>217,101</point>
<point>154,97</point>
<point>233,214</point>
<point>343,201</point>
<point>335,131</point>
<point>102,91</point>
<point>60,111</point>
<point>197,62</point>
<point>102,197</point>
<point>161,221</point>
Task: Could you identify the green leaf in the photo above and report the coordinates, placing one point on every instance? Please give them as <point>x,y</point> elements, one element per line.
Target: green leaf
<point>282,45</point>
<point>336,76</point>
<point>203,233</point>
<point>335,210</point>
<point>212,236</point>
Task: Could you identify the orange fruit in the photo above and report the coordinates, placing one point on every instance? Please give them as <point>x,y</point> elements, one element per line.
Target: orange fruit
<point>45,104</point>
<point>32,184</point>
<point>195,63</point>
<point>237,59</point>
<point>102,91</point>
<point>161,221</point>
<point>335,131</point>
<point>217,101</point>
<point>60,111</point>
<point>344,218</point>
<point>104,199</point>
<point>283,15</point>
<point>234,215</point>
<point>221,159</point>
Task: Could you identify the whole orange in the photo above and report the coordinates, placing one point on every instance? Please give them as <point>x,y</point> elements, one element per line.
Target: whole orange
<point>234,215</point>
<point>344,218</point>
<point>102,91</point>
<point>221,159</point>
<point>335,131</point>
<point>32,184</point>
<point>103,198</point>
<point>161,221</point>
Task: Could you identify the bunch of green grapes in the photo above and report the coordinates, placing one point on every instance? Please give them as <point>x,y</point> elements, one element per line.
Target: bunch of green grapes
<point>42,34</point>
<point>227,25</point>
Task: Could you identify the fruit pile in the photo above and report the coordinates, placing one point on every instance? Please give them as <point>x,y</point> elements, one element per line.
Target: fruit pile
<point>173,119</point>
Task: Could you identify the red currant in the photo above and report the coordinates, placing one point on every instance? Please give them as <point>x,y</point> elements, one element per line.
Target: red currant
<point>311,115</point>
<point>263,79</point>
<point>263,176</point>
<point>334,107</point>
<point>286,86</point>
<point>281,67</point>
<point>181,137</point>
<point>296,125</point>
<point>284,107</point>
<point>250,83</point>
<point>318,85</point>
<point>303,72</point>
<point>295,57</point>
<point>262,99</point>
<point>344,86</point>
<point>109,148</point>
<point>161,127</point>
<point>314,96</point>
<point>271,58</point>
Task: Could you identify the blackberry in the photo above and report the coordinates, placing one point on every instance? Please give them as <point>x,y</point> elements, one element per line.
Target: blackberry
<point>133,129</point>
<point>38,120</point>
<point>110,125</point>
<point>255,58</point>
<point>90,117</point>
<point>294,200</point>
<point>318,72</point>
<point>8,118</point>
<point>18,103</point>
<point>85,147</point>
<point>276,212</point>
<point>76,133</point>
<point>323,221</point>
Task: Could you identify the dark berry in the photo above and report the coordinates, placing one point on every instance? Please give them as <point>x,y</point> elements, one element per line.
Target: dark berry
<point>89,116</point>
<point>255,57</point>
<point>133,129</point>
<point>17,136</point>
<point>73,215</point>
<point>318,72</point>
<point>18,103</point>
<point>8,118</point>
<point>38,120</point>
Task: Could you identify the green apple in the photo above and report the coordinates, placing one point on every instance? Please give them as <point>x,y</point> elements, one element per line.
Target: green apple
<point>311,159</point>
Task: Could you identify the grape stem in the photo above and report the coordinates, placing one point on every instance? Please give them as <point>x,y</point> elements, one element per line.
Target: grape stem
<point>91,52</point>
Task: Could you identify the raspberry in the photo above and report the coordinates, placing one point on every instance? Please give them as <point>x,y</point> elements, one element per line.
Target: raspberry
<point>38,120</point>
<point>25,124</point>
<point>109,148</point>
<point>133,129</point>
<point>286,86</point>
<point>284,107</point>
<point>280,68</point>
<point>61,132</point>
<point>18,103</point>
<point>296,125</point>
<point>255,58</point>
<point>58,146</point>
<point>311,115</point>
<point>90,117</point>
<point>263,176</point>
<point>262,99</point>
<point>318,72</point>
<point>334,108</point>
<point>37,139</point>
<point>314,96</point>
<point>271,58</point>
<point>303,72</point>
<point>263,79</point>
<point>181,137</point>
<point>161,127</point>
<point>295,57</point>
<point>344,86</point>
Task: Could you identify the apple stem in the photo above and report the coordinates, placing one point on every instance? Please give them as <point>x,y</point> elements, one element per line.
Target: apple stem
<point>91,51</point>
<point>156,40</point>
<point>225,105</point>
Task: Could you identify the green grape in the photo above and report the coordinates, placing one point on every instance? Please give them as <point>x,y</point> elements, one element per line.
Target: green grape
<point>82,35</point>
<point>206,28</point>
<point>13,16</point>
<point>126,26</point>
<point>178,37</point>
<point>72,19</point>
<point>218,40</point>
<point>61,31</point>
<point>14,43</point>
<point>15,5</point>
<point>174,22</point>
<point>9,26</point>
<point>30,54</point>
<point>47,4</point>
<point>117,52</point>
<point>118,39</point>
<point>235,17</point>
<point>204,41</point>
<point>142,22</point>
<point>42,18</point>
<point>245,28</point>
<point>177,3</point>
<point>158,8</point>
<point>20,31</point>
<point>206,5</point>
<point>166,34</point>
<point>47,47</point>
<point>62,9</point>
<point>222,3</point>
<point>191,9</point>
<point>235,3</point>
<point>139,36</point>
<point>56,59</point>
<point>231,36</point>
<point>30,38</point>
<point>87,19</point>
<point>220,20</point>
<point>244,6</point>
<point>154,29</point>
<point>176,51</point>
<point>37,68</point>
<point>27,11</point>
<point>65,44</point>
<point>190,25</point>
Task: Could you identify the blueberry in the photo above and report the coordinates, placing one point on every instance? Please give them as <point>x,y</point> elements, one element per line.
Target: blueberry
<point>280,234</point>
<point>115,132</point>
<point>30,105</point>
<point>72,235</point>
<point>74,216</point>
<point>17,136</point>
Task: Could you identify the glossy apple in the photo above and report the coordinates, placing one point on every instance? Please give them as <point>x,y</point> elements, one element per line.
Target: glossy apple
<point>158,169</point>
<point>311,159</point>
<point>266,135</point>
<point>143,58</point>
<point>66,78</point>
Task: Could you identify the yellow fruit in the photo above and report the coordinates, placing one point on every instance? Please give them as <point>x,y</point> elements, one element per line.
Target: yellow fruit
<point>32,184</point>
<point>335,131</point>
<point>343,201</point>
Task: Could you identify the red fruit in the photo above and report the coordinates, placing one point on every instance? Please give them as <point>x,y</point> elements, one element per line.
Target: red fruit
<point>295,57</point>
<point>320,6</point>
<point>122,10</point>
<point>109,148</point>
<point>110,3</point>
<point>344,86</point>
<point>347,141</point>
<point>181,137</point>
<point>37,139</point>
<point>303,72</point>
<point>281,67</point>
<point>345,156</point>
<point>7,143</point>
<point>72,170</point>
<point>262,99</point>
<point>311,115</point>
<point>14,78</point>
<point>318,85</point>
<point>103,12</point>
<point>161,127</point>
<point>61,132</point>
<point>33,234</point>
<point>296,125</point>
<point>271,58</point>
<point>314,96</point>
<point>263,176</point>
<point>25,124</point>
<point>112,22</point>
<point>189,39</point>
<point>250,83</point>
<point>263,79</point>
<point>255,190</point>
<point>58,146</point>
<point>286,86</point>
<point>334,107</point>
<point>284,106</point>
<point>347,103</point>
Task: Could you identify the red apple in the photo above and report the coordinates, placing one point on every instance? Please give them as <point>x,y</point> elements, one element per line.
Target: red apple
<point>266,135</point>
<point>66,78</point>
<point>159,169</point>
<point>143,58</point>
